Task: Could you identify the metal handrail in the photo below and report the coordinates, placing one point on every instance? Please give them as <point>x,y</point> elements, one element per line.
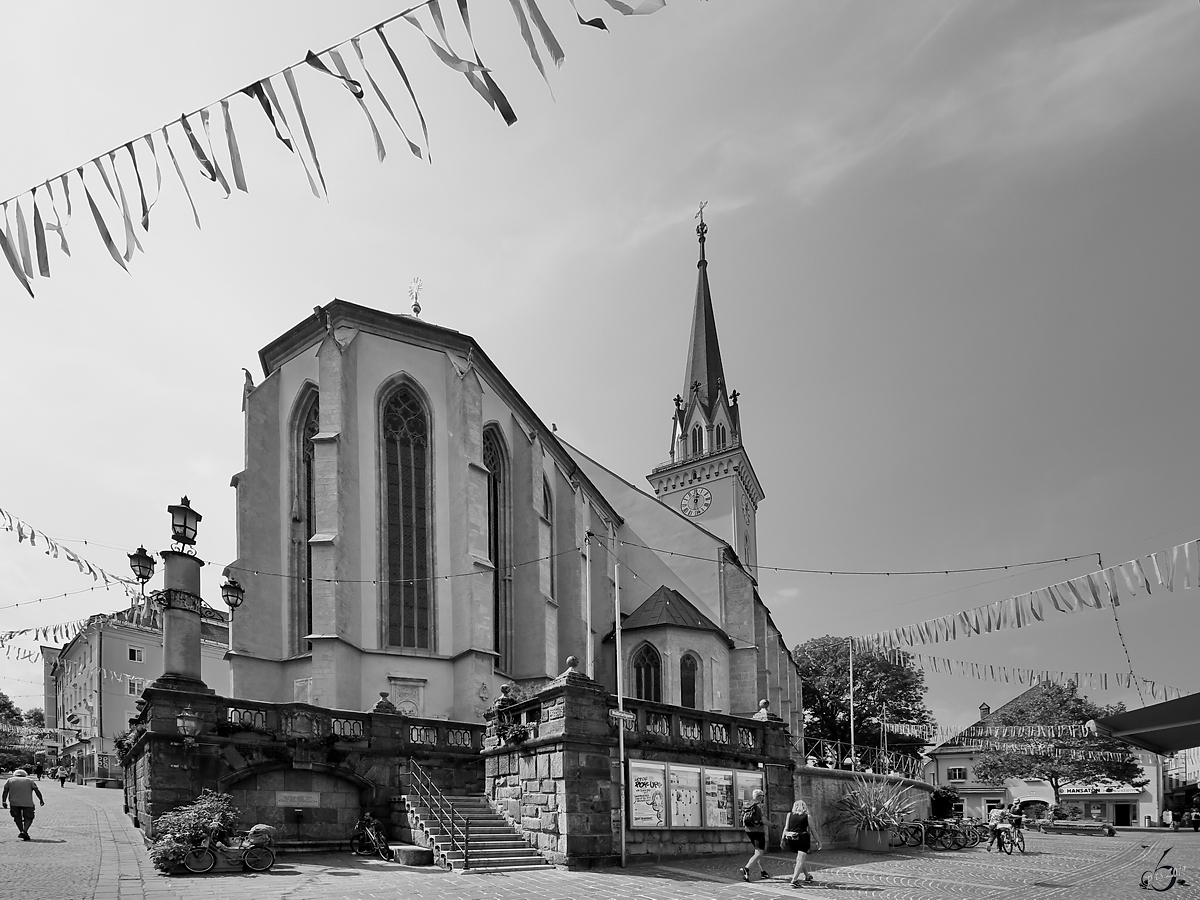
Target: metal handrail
<point>438,804</point>
<point>880,762</point>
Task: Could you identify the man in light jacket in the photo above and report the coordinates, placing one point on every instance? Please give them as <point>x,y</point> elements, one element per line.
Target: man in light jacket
<point>18,795</point>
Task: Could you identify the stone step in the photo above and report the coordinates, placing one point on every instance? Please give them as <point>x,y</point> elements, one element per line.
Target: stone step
<point>525,852</point>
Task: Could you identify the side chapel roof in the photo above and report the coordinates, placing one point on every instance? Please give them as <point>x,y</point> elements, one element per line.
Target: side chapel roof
<point>669,608</point>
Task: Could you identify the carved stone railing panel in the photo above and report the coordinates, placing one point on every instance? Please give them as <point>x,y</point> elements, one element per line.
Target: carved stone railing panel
<point>718,732</point>
<point>248,717</point>
<point>426,735</point>
<point>691,730</point>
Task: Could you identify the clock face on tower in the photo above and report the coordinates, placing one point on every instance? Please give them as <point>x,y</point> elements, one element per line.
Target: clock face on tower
<point>696,501</point>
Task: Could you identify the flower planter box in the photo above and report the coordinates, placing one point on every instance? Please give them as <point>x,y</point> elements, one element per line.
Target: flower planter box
<point>875,841</point>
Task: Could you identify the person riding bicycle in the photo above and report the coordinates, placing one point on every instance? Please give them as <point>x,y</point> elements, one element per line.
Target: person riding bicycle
<point>997,817</point>
<point>1017,816</point>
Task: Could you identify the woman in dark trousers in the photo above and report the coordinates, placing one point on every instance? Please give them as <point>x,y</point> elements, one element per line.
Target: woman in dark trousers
<point>798,837</point>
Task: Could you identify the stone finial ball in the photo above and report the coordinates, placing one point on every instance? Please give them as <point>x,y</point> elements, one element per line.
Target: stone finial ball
<point>572,662</point>
<point>764,704</point>
<point>505,688</point>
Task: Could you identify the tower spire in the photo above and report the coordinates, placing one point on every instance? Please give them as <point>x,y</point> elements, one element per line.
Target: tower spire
<point>704,352</point>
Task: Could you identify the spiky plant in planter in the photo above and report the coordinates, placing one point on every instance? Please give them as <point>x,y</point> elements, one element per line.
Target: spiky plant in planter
<point>873,805</point>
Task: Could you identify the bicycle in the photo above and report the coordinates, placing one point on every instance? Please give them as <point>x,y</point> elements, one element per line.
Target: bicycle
<point>1008,838</point>
<point>253,851</point>
<point>368,838</point>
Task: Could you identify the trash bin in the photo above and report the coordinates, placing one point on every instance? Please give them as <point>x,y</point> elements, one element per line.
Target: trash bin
<point>1148,822</point>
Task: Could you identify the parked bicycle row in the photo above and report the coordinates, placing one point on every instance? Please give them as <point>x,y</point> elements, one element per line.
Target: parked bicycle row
<point>957,834</point>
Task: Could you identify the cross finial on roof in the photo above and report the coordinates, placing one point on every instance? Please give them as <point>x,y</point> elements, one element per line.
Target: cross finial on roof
<point>734,397</point>
<point>678,401</point>
<point>695,386</point>
<point>701,229</point>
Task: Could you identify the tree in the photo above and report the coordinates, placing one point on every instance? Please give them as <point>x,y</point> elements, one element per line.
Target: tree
<point>10,713</point>
<point>887,688</point>
<point>1057,760</point>
<point>35,718</point>
<point>942,800</point>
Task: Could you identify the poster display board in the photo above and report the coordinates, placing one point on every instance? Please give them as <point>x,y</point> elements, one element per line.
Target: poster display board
<point>686,793</point>
<point>718,798</point>
<point>747,783</point>
<point>670,795</point>
<point>647,794</point>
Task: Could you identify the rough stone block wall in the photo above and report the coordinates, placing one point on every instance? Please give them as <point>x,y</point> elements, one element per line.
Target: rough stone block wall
<point>340,804</point>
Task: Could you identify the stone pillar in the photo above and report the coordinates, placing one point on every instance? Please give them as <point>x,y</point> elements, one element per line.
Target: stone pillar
<point>182,606</point>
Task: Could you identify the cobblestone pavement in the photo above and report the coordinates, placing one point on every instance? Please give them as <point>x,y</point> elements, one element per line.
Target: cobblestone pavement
<point>85,848</point>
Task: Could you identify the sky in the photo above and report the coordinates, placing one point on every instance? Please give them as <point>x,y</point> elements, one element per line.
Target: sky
<point>951,248</point>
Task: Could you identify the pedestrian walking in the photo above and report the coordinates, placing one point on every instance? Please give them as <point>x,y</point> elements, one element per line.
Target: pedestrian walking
<point>755,824</point>
<point>39,770</point>
<point>62,776</point>
<point>19,791</point>
<point>797,838</point>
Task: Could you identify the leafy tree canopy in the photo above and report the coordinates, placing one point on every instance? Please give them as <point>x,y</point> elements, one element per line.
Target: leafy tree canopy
<point>10,713</point>
<point>887,688</point>
<point>1051,760</point>
<point>35,718</point>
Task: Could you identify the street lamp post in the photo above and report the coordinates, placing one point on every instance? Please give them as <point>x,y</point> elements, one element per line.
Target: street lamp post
<point>181,603</point>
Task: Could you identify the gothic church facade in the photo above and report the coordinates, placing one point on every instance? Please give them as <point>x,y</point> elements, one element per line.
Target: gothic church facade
<point>408,525</point>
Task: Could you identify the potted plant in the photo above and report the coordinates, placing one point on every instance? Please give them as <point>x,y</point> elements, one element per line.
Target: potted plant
<point>872,807</point>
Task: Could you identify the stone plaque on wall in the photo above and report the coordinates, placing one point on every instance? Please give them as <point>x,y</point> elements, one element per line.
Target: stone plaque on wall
<point>408,695</point>
<point>298,799</point>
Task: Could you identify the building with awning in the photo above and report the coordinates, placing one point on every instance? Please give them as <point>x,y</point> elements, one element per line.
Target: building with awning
<point>1166,728</point>
<point>1163,728</point>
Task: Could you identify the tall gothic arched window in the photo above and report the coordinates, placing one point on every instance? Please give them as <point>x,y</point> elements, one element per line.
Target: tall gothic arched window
<point>689,681</point>
<point>647,674</point>
<point>548,512</point>
<point>408,539</point>
<point>697,441</point>
<point>721,437</point>
<point>306,520</point>
<point>499,547</point>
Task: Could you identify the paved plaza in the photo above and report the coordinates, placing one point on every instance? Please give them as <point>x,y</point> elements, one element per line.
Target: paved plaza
<point>85,848</point>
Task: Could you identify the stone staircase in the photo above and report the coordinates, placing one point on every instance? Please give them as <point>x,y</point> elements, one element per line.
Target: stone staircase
<point>495,846</point>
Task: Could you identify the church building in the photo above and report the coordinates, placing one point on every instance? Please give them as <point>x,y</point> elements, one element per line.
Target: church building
<point>408,525</point>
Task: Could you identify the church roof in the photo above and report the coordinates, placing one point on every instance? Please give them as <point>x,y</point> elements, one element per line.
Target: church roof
<point>669,608</point>
<point>704,352</point>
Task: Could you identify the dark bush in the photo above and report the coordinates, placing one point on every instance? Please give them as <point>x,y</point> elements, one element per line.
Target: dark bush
<point>188,825</point>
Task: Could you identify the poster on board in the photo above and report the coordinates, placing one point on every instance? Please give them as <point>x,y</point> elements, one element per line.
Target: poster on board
<point>747,784</point>
<point>647,794</point>
<point>686,793</point>
<point>718,798</point>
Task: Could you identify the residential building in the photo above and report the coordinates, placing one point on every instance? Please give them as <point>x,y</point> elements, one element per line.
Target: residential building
<point>93,683</point>
<point>409,525</point>
<point>952,763</point>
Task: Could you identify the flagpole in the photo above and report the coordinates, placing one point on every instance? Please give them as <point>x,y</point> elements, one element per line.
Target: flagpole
<point>853,757</point>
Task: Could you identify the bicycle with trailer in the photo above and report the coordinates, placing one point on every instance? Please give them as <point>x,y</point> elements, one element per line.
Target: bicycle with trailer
<point>252,849</point>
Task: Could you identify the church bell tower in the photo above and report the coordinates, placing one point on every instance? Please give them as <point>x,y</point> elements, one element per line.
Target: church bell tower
<point>709,478</point>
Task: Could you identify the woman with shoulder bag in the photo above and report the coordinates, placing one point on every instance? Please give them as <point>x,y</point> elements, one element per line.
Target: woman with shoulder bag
<point>797,838</point>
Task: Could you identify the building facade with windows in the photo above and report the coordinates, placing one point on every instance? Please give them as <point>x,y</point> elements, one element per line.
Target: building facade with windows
<point>96,680</point>
<point>952,764</point>
<point>409,526</point>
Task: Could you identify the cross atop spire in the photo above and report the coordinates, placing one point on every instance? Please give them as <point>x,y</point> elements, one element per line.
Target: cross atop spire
<point>704,367</point>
